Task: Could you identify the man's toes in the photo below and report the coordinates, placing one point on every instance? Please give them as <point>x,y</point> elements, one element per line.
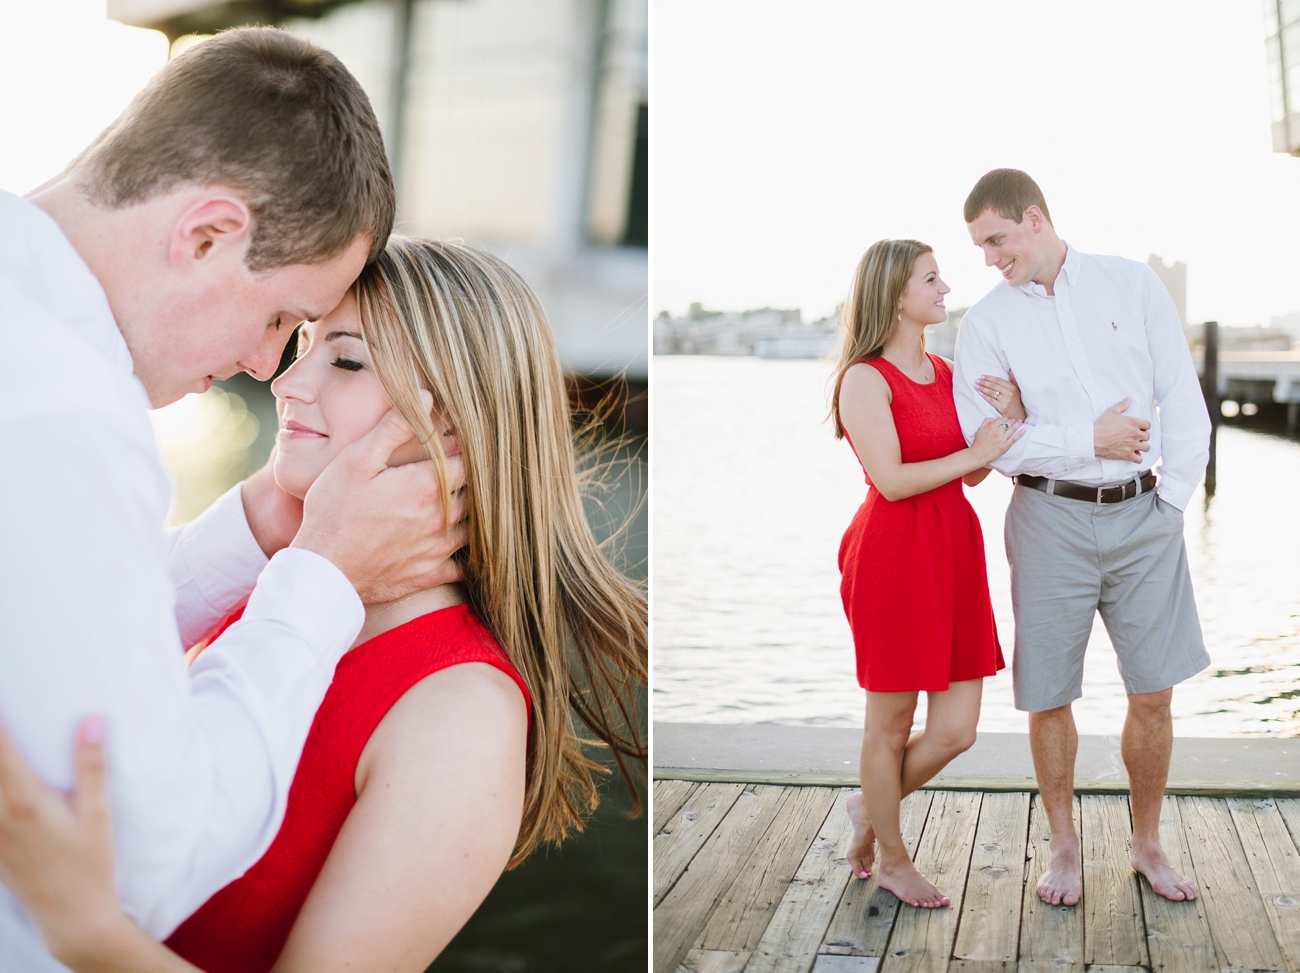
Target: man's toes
<point>1070,898</point>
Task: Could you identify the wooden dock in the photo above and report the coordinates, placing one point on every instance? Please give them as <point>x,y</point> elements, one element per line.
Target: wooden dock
<point>752,877</point>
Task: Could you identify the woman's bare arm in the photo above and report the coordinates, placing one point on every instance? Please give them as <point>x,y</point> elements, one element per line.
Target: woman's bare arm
<point>441,789</point>
<point>865,414</point>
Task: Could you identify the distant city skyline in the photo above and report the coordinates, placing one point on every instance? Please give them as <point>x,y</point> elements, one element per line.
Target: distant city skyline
<point>788,137</point>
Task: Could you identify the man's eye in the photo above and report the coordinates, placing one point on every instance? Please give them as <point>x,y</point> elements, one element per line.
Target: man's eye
<point>348,364</point>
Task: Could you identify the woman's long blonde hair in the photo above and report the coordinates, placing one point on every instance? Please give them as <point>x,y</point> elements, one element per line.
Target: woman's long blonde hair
<point>870,312</point>
<point>458,321</point>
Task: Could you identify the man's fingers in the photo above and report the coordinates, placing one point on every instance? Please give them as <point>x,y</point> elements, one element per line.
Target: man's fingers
<point>91,798</point>
<point>1119,407</point>
<point>373,449</point>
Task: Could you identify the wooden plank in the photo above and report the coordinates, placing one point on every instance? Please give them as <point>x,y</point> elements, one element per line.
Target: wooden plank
<point>1113,932</point>
<point>865,916</point>
<point>1289,808</point>
<point>713,961</point>
<point>990,919</point>
<point>1178,933</point>
<point>761,883</point>
<point>1051,936</point>
<point>1228,893</point>
<point>982,965</point>
<point>685,910</point>
<point>1110,968</point>
<point>790,943</point>
<point>1275,866</point>
<point>669,796</point>
<point>683,835</point>
<point>846,964</point>
<point>923,938</point>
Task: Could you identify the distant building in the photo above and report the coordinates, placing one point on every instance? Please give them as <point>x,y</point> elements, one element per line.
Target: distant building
<point>1174,277</point>
<point>1290,323</point>
<point>1282,42</point>
<point>766,332</point>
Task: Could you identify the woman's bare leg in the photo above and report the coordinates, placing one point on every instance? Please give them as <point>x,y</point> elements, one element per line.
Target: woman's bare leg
<point>949,730</point>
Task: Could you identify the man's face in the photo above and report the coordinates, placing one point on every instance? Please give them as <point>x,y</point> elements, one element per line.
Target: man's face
<point>230,319</point>
<point>1013,248</point>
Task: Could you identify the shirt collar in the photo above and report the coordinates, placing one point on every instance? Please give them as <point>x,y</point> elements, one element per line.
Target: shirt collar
<point>1069,270</point>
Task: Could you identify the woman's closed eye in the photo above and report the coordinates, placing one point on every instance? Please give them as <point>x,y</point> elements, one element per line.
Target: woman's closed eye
<point>351,364</point>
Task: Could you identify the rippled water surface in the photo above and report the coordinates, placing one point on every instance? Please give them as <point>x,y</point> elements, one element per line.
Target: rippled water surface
<point>752,494</point>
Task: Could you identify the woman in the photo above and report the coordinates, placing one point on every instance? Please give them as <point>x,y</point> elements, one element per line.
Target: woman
<point>912,562</point>
<point>445,749</point>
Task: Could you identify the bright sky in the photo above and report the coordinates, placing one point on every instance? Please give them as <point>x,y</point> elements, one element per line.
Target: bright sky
<point>788,136</point>
<point>66,71</point>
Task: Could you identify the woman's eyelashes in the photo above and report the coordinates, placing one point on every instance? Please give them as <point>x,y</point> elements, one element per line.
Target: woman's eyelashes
<point>349,364</point>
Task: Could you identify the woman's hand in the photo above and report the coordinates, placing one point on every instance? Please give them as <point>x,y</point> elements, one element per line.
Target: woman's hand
<point>56,857</point>
<point>994,437</point>
<point>1003,395</point>
<point>56,849</point>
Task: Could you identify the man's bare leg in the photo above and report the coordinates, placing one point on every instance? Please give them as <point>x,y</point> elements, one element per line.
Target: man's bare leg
<point>951,719</point>
<point>1054,742</point>
<point>885,737</point>
<point>1146,745</point>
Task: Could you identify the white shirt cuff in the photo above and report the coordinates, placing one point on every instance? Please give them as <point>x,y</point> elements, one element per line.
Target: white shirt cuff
<point>1079,444</point>
<point>1174,491</point>
<point>308,594</point>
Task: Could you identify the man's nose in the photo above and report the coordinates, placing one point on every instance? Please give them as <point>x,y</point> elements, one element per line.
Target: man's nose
<point>264,360</point>
<point>990,258</point>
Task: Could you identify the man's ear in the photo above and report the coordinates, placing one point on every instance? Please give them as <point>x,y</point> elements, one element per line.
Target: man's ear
<point>215,223</point>
<point>1035,217</point>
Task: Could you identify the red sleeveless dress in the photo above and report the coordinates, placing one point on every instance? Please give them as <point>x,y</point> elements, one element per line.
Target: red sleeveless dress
<point>913,578</point>
<point>244,926</point>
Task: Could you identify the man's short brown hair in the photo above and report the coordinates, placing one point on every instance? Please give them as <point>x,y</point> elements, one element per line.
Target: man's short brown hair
<point>271,116</point>
<point>1008,192</point>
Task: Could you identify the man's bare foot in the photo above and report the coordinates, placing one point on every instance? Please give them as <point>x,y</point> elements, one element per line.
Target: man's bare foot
<point>911,887</point>
<point>1062,883</point>
<point>1165,880</point>
<point>862,850</point>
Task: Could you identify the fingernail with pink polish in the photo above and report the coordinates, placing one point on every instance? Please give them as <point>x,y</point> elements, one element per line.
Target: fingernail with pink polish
<point>92,731</point>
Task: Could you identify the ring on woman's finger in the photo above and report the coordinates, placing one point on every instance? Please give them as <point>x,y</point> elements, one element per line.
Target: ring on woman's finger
<point>1006,425</point>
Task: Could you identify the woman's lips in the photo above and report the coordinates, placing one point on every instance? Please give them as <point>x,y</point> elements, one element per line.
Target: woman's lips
<point>296,430</point>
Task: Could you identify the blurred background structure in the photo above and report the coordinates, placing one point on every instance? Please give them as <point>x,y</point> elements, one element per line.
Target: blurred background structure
<point>519,125</point>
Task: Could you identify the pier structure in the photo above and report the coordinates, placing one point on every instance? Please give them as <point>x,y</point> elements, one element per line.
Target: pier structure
<point>750,836</point>
<point>1259,377</point>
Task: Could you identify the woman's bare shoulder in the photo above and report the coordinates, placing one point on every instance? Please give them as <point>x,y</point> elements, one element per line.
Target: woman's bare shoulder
<point>863,383</point>
<point>471,711</point>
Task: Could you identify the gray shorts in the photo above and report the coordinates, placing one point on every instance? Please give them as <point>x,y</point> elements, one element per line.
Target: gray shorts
<point>1070,559</point>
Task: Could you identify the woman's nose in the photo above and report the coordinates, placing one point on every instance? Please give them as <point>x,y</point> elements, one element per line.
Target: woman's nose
<point>293,384</point>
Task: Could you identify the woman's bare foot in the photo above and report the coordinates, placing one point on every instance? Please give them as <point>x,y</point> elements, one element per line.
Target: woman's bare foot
<point>1062,883</point>
<point>862,850</point>
<point>1164,878</point>
<point>911,887</point>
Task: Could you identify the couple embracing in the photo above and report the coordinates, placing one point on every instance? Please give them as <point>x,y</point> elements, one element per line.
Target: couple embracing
<point>391,625</point>
<point>1073,377</point>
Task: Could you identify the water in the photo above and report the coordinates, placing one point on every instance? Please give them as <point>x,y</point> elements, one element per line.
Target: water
<point>752,495</point>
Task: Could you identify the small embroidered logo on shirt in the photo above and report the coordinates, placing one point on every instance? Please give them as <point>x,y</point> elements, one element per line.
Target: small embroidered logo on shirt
<point>1114,326</point>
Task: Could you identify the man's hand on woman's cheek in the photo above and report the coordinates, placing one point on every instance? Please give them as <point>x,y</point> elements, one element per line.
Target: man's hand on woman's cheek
<point>382,526</point>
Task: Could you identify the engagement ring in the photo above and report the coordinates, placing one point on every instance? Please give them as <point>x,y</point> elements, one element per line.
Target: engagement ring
<point>1006,425</point>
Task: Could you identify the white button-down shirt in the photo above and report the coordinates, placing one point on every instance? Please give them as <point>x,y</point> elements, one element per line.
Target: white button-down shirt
<point>97,603</point>
<point>1110,333</point>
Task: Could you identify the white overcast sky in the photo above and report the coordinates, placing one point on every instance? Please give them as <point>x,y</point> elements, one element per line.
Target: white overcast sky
<point>789,135</point>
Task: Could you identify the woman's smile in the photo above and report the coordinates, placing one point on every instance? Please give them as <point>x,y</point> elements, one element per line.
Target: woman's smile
<point>296,430</point>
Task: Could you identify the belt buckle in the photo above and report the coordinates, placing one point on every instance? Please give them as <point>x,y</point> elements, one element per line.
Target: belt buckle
<point>1101,494</point>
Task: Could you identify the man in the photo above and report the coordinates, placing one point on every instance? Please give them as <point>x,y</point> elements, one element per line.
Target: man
<point>240,192</point>
<point>1109,389</point>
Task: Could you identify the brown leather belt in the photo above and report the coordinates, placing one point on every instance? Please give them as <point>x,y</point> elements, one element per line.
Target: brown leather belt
<point>1092,494</point>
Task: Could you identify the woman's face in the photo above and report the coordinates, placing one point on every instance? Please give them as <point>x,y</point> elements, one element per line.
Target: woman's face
<point>329,398</point>
<point>922,299</point>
